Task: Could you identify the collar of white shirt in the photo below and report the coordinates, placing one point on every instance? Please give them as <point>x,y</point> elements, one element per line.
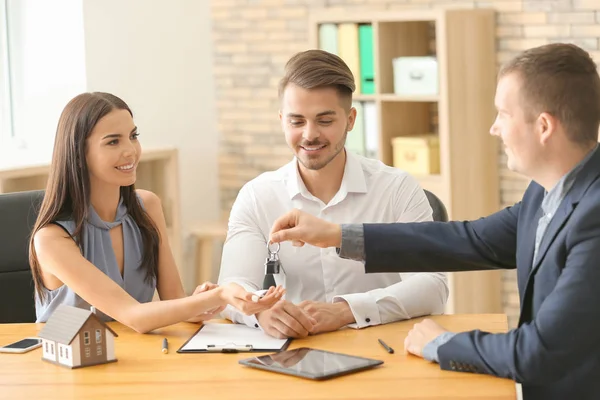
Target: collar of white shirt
<point>354,180</point>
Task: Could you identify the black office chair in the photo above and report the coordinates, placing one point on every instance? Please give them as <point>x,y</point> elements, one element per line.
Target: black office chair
<point>439,210</point>
<point>439,214</point>
<point>18,212</point>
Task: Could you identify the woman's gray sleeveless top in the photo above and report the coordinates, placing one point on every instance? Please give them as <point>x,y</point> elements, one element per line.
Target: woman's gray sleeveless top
<point>96,247</point>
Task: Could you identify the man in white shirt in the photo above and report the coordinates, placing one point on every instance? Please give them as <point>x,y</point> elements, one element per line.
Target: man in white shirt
<point>324,291</point>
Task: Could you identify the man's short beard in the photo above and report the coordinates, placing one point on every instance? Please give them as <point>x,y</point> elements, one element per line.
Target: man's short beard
<point>338,148</point>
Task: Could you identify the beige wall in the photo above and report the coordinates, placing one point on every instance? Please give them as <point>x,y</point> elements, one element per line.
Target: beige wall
<point>157,55</point>
<point>253,39</point>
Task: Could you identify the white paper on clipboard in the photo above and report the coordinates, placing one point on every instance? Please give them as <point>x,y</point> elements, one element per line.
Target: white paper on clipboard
<point>217,337</point>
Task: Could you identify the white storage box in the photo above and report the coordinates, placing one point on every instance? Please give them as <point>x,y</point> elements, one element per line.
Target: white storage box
<point>415,76</point>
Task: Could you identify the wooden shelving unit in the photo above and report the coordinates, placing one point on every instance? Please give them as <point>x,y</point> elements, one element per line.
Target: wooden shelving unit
<point>157,171</point>
<point>463,42</point>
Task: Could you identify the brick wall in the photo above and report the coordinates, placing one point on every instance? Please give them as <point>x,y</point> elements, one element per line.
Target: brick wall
<point>254,38</point>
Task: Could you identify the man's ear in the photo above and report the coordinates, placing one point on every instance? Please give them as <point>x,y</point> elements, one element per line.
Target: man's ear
<point>546,126</point>
<point>351,118</point>
<point>280,116</point>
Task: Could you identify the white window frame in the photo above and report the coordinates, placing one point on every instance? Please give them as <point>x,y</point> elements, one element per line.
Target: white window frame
<point>7,138</point>
<point>18,136</point>
<point>86,338</point>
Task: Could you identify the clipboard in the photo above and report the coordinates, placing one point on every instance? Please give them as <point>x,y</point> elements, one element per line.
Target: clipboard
<point>231,338</point>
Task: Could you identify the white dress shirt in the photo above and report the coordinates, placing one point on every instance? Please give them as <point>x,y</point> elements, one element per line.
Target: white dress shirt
<point>371,192</point>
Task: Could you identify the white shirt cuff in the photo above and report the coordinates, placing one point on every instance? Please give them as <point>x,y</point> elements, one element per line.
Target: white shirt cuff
<point>236,316</point>
<point>363,307</point>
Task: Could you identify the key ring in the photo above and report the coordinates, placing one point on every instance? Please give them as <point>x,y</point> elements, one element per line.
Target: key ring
<point>272,253</point>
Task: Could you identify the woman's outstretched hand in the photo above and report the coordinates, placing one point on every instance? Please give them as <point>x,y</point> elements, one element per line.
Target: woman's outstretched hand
<point>248,302</point>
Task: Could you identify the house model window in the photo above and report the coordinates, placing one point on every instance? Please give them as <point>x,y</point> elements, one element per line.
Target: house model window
<point>98,336</point>
<point>86,338</point>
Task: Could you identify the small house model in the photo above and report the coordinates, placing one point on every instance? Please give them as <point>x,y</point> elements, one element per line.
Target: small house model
<point>74,338</point>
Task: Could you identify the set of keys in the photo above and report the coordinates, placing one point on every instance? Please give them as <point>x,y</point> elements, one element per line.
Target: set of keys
<point>272,265</point>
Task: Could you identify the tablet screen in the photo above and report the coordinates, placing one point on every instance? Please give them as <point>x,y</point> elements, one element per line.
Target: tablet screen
<point>311,363</point>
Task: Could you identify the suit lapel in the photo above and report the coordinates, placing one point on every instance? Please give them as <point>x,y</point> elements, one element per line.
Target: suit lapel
<point>588,174</point>
<point>525,258</point>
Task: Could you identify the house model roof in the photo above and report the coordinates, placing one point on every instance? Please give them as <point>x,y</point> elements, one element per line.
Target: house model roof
<point>66,321</point>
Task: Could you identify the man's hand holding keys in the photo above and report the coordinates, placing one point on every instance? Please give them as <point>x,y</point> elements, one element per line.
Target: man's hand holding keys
<point>300,228</point>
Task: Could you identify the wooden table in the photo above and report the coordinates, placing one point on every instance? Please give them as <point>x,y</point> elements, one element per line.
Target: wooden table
<point>143,371</point>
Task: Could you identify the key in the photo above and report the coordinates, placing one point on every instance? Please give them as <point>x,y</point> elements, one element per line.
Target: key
<point>272,264</point>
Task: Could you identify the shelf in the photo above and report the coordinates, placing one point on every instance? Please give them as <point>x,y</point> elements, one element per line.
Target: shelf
<point>402,119</point>
<point>463,42</point>
<point>416,98</point>
<point>400,39</point>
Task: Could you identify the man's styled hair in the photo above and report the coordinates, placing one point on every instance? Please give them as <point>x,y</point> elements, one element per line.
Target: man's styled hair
<point>314,69</point>
<point>562,80</point>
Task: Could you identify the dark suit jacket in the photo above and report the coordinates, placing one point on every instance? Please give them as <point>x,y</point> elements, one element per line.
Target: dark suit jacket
<point>555,351</point>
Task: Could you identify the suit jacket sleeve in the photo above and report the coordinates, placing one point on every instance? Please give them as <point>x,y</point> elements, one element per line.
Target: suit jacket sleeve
<point>486,243</point>
<point>563,333</point>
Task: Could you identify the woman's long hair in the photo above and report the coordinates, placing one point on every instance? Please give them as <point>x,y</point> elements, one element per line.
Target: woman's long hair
<point>68,189</point>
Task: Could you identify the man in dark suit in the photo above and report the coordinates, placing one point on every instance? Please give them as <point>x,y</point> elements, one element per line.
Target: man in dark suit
<point>548,102</point>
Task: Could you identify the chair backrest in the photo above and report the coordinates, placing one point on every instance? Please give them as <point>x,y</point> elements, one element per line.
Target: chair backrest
<point>439,210</point>
<point>439,214</point>
<point>18,212</point>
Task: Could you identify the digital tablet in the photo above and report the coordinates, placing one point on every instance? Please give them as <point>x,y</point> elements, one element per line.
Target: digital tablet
<point>311,363</point>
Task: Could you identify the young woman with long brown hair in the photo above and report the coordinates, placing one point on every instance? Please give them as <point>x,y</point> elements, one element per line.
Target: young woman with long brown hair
<point>100,242</point>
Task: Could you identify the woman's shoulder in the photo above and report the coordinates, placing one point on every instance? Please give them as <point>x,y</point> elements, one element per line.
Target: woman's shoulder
<point>45,237</point>
<point>149,201</point>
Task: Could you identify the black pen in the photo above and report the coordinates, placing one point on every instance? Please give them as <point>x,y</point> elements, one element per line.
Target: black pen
<point>165,347</point>
<point>386,347</point>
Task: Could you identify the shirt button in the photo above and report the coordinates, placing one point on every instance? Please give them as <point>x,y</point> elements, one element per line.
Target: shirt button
<point>368,320</point>
<point>256,325</point>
